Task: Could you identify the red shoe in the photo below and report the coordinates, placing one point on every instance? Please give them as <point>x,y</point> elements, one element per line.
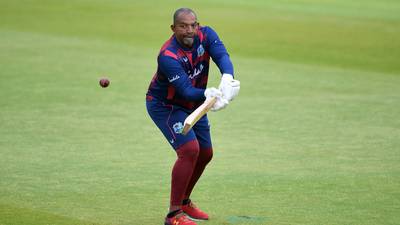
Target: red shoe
<point>193,212</point>
<point>179,219</point>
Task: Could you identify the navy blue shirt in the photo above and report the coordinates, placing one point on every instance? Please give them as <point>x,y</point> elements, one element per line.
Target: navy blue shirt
<point>182,74</point>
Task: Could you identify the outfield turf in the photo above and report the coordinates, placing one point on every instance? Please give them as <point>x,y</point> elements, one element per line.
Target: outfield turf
<point>312,139</point>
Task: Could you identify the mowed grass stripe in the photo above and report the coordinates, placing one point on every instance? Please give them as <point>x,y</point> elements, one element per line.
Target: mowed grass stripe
<point>15,215</point>
<point>357,35</point>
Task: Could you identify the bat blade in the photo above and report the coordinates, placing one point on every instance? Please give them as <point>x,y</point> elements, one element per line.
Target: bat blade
<point>192,119</point>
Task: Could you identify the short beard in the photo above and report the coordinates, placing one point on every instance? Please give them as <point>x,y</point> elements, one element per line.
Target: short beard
<point>188,41</point>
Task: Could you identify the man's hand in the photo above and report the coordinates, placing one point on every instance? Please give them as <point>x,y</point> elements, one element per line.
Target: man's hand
<point>229,87</point>
<point>221,103</point>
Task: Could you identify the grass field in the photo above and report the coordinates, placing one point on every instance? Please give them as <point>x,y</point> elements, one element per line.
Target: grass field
<point>312,139</point>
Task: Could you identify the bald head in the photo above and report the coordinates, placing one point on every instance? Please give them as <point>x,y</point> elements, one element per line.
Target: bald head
<point>183,11</point>
<point>185,26</point>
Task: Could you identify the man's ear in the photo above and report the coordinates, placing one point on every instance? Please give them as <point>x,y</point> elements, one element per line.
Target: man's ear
<point>172,27</point>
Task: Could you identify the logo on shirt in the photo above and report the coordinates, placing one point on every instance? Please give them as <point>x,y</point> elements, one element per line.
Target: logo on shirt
<point>185,59</point>
<point>196,71</point>
<point>174,78</point>
<point>178,127</point>
<point>200,51</point>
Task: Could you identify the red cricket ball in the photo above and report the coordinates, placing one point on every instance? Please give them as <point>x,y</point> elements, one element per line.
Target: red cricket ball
<point>104,82</point>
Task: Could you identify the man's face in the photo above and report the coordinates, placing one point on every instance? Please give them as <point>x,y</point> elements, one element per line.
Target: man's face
<point>185,29</point>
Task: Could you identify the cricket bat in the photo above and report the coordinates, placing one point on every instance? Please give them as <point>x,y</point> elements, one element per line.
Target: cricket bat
<point>191,120</point>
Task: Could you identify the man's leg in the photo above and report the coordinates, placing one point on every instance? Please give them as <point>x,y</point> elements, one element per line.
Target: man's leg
<point>202,131</point>
<point>188,207</point>
<point>169,120</point>
<point>182,172</point>
<point>205,156</point>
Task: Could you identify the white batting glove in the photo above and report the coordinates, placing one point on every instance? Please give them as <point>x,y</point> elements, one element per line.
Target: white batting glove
<point>221,103</point>
<point>212,92</point>
<point>229,87</point>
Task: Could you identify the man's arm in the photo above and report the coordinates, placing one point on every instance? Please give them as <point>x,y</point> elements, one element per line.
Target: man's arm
<point>229,87</point>
<point>218,52</point>
<point>177,76</point>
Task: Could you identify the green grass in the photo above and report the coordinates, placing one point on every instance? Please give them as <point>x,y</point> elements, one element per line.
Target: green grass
<point>312,139</point>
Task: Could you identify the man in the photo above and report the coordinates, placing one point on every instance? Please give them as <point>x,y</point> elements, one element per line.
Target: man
<point>178,87</point>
